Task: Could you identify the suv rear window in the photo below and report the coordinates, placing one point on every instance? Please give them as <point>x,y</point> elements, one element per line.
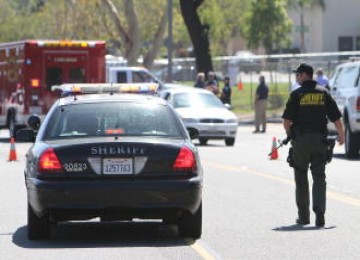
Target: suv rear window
<point>347,77</point>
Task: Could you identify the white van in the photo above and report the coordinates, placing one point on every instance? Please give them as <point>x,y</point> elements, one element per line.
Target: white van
<point>345,88</point>
<point>117,71</point>
<point>121,74</point>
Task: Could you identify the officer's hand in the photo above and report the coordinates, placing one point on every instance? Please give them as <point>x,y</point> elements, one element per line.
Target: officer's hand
<point>341,139</point>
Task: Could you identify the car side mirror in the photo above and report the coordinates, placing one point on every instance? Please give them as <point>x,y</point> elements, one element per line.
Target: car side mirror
<point>193,133</point>
<point>25,135</point>
<point>34,122</point>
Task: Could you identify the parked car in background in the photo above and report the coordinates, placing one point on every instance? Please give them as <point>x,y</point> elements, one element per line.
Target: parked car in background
<point>345,88</point>
<point>202,110</point>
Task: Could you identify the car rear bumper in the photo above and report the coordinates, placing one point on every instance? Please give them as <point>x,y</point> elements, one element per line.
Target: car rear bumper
<point>215,131</point>
<point>133,195</point>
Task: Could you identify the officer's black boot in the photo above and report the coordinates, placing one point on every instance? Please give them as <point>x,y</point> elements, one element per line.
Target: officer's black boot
<point>301,221</point>
<point>320,220</point>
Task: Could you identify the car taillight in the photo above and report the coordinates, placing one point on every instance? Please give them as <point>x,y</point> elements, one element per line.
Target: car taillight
<point>49,162</point>
<point>358,104</point>
<point>185,161</point>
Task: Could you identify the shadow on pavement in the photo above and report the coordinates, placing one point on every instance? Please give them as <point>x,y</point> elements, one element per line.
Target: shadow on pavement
<point>110,234</point>
<point>296,227</point>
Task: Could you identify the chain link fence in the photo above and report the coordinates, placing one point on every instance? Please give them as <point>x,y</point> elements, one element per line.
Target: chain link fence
<point>244,73</point>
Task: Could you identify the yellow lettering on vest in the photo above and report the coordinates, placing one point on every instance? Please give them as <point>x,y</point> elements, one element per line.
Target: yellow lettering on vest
<point>312,99</point>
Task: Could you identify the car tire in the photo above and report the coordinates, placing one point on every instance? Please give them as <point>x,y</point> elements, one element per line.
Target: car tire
<point>352,142</point>
<point>190,225</point>
<point>203,141</point>
<point>38,227</point>
<point>230,141</point>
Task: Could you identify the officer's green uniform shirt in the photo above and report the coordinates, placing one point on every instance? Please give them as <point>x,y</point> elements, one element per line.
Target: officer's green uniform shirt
<point>309,107</point>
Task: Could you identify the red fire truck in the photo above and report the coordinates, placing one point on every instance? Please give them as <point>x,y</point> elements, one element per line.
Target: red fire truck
<point>29,68</point>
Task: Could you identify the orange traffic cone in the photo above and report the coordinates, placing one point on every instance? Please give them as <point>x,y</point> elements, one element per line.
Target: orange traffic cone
<point>240,85</point>
<point>274,152</point>
<point>12,155</point>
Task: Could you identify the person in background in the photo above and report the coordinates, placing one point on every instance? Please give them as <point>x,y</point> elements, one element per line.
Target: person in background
<point>200,80</point>
<point>212,84</point>
<point>260,104</point>
<point>225,96</point>
<point>321,79</point>
<point>305,118</point>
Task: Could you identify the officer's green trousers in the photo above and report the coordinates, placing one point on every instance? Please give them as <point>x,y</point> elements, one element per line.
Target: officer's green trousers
<point>310,150</point>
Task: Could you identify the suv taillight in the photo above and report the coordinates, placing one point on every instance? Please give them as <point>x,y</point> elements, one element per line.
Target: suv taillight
<point>49,162</point>
<point>185,161</point>
<point>358,104</point>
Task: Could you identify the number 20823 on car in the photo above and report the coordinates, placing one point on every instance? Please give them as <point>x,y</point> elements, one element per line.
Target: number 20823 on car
<point>105,152</point>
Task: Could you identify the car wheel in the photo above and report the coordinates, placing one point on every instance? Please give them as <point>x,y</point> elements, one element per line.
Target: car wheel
<point>230,141</point>
<point>38,227</point>
<point>351,142</point>
<point>203,141</point>
<point>191,225</point>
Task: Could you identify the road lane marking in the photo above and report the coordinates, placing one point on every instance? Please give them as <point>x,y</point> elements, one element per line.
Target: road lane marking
<point>332,195</point>
<point>204,251</point>
<point>245,169</point>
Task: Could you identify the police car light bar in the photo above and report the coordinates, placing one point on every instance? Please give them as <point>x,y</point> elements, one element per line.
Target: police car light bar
<point>98,88</point>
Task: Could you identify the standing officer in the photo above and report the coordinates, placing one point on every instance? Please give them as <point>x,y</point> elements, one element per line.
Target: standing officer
<point>260,103</point>
<point>305,119</point>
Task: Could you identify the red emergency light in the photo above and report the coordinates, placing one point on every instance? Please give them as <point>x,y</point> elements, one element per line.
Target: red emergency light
<point>34,83</point>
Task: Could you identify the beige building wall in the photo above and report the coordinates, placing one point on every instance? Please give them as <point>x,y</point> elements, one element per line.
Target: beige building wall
<point>323,28</point>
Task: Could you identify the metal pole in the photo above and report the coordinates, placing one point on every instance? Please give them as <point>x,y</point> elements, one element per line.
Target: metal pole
<point>170,40</point>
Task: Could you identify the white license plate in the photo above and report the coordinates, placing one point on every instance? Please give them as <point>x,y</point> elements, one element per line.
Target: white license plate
<point>118,166</point>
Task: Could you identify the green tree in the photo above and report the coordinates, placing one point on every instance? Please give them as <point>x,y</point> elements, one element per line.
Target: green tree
<point>301,4</point>
<point>115,21</point>
<point>14,24</point>
<point>226,20</point>
<point>268,25</point>
<point>199,34</point>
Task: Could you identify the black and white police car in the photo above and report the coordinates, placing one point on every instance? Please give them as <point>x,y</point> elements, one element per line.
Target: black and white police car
<point>104,152</point>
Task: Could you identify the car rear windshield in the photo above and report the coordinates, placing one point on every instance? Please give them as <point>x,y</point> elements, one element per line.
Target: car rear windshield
<point>112,119</point>
<point>196,100</point>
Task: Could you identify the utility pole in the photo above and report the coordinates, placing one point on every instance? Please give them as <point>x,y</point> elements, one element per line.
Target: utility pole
<point>170,40</point>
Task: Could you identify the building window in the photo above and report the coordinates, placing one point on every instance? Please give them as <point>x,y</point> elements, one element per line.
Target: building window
<point>346,43</point>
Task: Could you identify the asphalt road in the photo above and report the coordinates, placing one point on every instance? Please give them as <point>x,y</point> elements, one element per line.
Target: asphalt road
<point>248,212</point>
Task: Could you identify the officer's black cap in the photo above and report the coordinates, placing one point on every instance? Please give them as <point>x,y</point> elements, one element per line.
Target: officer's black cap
<point>304,68</point>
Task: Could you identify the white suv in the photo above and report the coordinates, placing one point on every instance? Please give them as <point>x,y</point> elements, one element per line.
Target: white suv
<point>345,88</point>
